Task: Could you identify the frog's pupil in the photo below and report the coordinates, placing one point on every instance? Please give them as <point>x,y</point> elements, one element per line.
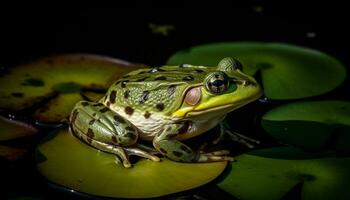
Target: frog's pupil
<point>218,83</point>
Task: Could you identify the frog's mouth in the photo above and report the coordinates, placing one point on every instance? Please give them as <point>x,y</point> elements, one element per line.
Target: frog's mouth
<point>224,109</point>
<point>227,107</point>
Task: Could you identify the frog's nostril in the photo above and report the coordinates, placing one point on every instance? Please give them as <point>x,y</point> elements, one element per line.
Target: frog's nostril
<point>245,83</point>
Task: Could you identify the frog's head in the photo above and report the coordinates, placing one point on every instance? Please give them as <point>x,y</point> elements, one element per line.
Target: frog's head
<point>224,89</point>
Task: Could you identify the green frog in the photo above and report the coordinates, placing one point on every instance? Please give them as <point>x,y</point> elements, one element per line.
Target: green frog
<point>164,105</point>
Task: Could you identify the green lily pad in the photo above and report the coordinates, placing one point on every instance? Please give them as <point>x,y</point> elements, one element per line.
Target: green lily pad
<point>311,125</point>
<point>262,174</point>
<point>287,71</point>
<point>11,129</point>
<point>11,153</point>
<point>54,83</point>
<point>65,160</point>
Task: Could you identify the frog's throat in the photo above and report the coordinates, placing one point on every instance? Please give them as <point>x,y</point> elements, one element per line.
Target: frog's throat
<point>228,108</point>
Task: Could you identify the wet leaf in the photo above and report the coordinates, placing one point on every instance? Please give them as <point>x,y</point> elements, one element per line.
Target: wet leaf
<point>51,80</point>
<point>287,71</point>
<point>75,165</point>
<point>11,129</point>
<point>311,125</point>
<point>58,108</point>
<point>262,174</point>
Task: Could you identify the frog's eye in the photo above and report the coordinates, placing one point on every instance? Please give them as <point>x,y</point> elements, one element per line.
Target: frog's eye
<point>217,82</point>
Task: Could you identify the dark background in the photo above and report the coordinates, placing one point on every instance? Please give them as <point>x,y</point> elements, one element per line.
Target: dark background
<point>122,30</point>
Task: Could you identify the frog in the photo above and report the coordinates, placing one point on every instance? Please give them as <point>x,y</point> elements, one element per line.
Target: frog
<point>164,106</point>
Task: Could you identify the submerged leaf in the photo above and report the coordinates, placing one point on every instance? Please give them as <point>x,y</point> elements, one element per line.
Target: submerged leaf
<point>287,71</point>
<point>75,165</point>
<point>311,125</point>
<point>48,78</point>
<point>262,174</point>
<point>11,129</point>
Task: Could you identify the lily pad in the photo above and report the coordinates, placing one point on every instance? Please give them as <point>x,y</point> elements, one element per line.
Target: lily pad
<point>66,161</point>
<point>54,83</point>
<point>311,125</point>
<point>58,108</point>
<point>287,71</point>
<point>263,174</point>
<point>11,129</point>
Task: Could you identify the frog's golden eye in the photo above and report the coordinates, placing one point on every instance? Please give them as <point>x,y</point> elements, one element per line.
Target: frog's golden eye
<point>217,82</point>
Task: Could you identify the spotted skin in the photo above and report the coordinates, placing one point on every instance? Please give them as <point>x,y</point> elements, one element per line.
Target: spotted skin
<point>84,103</point>
<point>115,134</point>
<point>160,78</point>
<point>147,115</point>
<point>166,143</point>
<point>160,106</point>
<point>111,125</point>
<point>126,94</point>
<point>129,110</point>
<point>92,121</point>
<point>131,90</point>
<point>144,96</point>
<point>112,96</point>
<point>171,89</point>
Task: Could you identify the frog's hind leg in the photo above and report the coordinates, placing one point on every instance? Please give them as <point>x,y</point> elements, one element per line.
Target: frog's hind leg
<point>99,123</point>
<point>103,129</point>
<point>118,151</point>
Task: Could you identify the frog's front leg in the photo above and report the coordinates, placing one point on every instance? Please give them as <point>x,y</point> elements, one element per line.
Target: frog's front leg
<point>105,130</point>
<point>166,143</point>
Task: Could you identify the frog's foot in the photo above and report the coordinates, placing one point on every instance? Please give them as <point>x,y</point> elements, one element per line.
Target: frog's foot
<point>120,153</point>
<point>123,153</point>
<point>175,150</point>
<point>242,139</point>
<point>139,152</point>
<point>215,156</point>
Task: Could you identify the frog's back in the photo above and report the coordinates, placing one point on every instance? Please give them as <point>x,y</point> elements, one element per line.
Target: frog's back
<point>148,97</point>
<point>157,90</point>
